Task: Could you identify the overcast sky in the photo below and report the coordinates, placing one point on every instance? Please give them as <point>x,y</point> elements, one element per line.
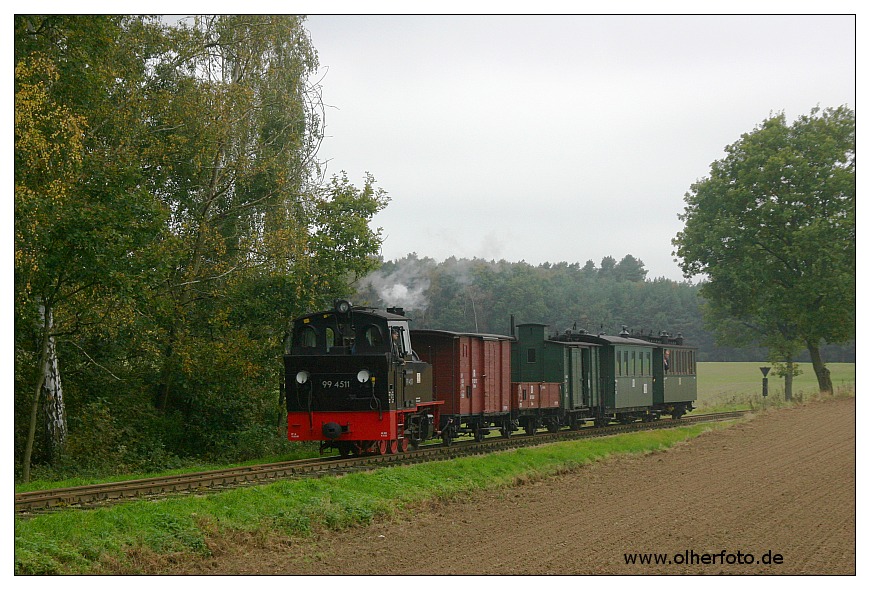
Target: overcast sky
<point>559,138</point>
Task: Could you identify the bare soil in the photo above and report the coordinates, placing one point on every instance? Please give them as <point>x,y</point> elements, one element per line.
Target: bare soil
<point>781,484</point>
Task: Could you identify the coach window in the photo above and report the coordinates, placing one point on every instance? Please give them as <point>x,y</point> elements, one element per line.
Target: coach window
<point>625,361</point>
<point>633,363</point>
<point>330,339</point>
<point>619,362</point>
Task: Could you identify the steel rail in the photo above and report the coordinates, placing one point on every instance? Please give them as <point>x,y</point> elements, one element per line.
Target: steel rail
<point>95,494</point>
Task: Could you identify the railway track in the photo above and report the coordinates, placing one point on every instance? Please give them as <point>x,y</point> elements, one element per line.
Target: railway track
<point>27,503</point>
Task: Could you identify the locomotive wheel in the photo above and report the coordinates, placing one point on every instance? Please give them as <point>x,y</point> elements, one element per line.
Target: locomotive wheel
<point>403,445</point>
<point>381,447</point>
<point>394,447</point>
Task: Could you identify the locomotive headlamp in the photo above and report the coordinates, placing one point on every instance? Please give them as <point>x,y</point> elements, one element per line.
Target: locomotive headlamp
<point>302,377</point>
<point>363,375</point>
<point>342,306</point>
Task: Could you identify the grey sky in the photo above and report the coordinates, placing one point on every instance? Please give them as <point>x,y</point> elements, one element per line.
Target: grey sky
<point>559,138</point>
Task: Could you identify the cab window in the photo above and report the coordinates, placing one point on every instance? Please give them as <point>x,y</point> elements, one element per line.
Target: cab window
<point>307,337</point>
<point>373,337</point>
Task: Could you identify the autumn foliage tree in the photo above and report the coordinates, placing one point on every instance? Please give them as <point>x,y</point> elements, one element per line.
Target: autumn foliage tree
<point>171,216</point>
<point>773,231</point>
<point>82,211</point>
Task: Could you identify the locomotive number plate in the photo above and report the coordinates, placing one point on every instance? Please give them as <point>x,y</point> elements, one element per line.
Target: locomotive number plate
<point>339,382</point>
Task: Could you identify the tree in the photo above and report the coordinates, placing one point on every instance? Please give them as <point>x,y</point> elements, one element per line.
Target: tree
<point>773,230</point>
<point>238,130</point>
<point>607,268</point>
<point>255,236</point>
<point>589,269</point>
<point>82,212</point>
<point>630,269</point>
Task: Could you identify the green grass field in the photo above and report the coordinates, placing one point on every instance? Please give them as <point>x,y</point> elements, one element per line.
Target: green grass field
<point>738,385</point>
<point>102,540</point>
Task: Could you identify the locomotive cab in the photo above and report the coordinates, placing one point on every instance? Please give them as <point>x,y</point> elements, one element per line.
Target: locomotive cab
<point>354,382</point>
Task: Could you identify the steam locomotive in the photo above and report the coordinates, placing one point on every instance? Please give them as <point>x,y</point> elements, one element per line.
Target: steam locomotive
<point>359,380</point>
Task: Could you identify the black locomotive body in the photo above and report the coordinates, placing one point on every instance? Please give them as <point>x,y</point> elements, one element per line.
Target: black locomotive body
<point>354,383</point>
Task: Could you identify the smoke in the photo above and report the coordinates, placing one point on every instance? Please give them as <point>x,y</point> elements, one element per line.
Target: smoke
<point>401,285</point>
<point>405,282</point>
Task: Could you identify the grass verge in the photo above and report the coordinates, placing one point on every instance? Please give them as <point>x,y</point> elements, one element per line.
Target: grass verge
<point>77,542</point>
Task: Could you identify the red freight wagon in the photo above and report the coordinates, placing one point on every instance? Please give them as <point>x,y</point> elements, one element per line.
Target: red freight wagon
<point>533,396</point>
<point>471,374</point>
<point>534,402</point>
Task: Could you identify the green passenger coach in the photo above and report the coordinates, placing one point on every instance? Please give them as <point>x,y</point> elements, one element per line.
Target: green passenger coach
<point>574,365</point>
<point>626,376</point>
<point>604,378</point>
<point>675,374</point>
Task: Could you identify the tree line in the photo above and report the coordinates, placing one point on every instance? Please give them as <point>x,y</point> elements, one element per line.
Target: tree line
<point>476,295</point>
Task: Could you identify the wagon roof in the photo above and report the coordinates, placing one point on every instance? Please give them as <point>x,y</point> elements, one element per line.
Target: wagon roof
<point>604,339</point>
<point>451,334</point>
<point>573,342</point>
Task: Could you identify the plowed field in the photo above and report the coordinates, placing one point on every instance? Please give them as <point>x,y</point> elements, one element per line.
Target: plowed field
<point>779,488</point>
